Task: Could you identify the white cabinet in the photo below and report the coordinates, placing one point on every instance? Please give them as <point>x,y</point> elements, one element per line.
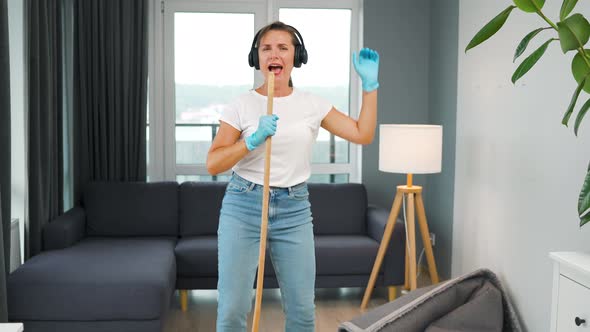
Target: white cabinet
<point>570,307</point>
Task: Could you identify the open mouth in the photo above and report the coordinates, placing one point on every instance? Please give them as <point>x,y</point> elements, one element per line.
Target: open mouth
<point>276,69</point>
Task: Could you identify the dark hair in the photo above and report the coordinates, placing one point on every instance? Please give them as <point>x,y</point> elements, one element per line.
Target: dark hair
<point>279,26</point>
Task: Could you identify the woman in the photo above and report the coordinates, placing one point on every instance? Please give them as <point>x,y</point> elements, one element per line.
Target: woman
<point>239,145</point>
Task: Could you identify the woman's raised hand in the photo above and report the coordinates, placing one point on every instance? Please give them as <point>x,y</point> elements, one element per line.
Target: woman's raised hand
<point>367,67</point>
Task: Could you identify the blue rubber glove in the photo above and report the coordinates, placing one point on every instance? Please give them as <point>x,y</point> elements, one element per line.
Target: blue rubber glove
<point>267,126</point>
<point>367,67</point>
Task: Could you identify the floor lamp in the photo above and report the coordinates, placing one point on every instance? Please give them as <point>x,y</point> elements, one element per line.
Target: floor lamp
<point>407,149</point>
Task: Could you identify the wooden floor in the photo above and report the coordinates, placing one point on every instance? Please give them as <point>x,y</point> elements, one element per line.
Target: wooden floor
<point>333,306</point>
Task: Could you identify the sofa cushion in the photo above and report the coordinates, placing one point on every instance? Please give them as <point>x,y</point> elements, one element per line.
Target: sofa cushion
<point>345,254</point>
<point>131,209</point>
<point>96,279</point>
<point>200,203</point>
<point>338,209</point>
<point>196,257</point>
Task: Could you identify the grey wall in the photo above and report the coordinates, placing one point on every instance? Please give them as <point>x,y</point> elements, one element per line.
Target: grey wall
<point>399,31</point>
<point>417,43</point>
<point>518,169</point>
<point>442,109</point>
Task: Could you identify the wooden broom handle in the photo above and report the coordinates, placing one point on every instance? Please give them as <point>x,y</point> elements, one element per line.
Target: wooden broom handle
<point>264,221</point>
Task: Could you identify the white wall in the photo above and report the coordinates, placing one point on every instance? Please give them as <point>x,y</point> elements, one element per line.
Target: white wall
<point>17,106</point>
<point>518,170</point>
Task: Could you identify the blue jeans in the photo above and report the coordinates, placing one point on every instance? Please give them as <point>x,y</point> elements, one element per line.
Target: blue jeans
<point>289,242</point>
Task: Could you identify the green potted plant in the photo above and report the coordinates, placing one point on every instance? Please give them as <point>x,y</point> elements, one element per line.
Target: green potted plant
<point>572,32</point>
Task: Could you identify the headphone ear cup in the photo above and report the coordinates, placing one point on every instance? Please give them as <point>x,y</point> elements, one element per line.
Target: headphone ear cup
<point>300,56</point>
<point>297,57</point>
<point>303,55</point>
<point>253,58</point>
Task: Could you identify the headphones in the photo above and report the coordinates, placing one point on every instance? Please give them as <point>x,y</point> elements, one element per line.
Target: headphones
<point>300,51</point>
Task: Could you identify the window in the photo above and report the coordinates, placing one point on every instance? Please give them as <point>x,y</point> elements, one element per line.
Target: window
<point>203,86</point>
<point>328,75</point>
<point>188,87</point>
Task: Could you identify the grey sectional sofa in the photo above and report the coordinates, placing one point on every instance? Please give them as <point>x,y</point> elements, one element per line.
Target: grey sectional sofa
<point>113,263</point>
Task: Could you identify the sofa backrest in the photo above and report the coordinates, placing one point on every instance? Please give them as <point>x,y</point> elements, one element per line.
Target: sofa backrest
<point>131,208</point>
<point>338,209</point>
<point>200,203</point>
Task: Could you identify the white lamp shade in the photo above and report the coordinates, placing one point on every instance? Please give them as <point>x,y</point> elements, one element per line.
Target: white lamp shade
<point>415,149</point>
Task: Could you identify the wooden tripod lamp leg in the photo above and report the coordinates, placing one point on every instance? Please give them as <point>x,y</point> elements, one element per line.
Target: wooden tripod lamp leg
<point>411,226</point>
<point>264,221</point>
<point>426,239</point>
<point>407,266</point>
<point>382,248</point>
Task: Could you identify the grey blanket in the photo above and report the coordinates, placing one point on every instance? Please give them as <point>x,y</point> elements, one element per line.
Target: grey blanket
<point>473,302</point>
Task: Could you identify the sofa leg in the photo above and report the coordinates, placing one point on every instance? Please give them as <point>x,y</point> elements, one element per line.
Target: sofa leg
<point>183,299</point>
<point>392,293</point>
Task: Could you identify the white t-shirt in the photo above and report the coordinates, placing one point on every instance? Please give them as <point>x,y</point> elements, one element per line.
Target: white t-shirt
<point>300,116</point>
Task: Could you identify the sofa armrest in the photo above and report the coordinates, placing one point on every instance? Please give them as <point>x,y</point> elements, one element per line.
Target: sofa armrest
<point>65,230</point>
<point>393,265</point>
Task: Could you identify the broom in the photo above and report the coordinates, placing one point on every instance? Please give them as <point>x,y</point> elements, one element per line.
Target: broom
<point>264,222</point>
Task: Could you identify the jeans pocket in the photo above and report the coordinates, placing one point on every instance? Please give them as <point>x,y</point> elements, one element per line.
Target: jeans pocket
<point>300,192</point>
<point>236,188</point>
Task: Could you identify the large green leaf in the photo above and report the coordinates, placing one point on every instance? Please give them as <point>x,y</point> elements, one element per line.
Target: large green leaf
<point>570,108</point>
<point>525,42</point>
<point>529,6</point>
<point>573,32</point>
<point>566,8</point>
<point>490,29</point>
<point>530,61</point>
<point>580,69</point>
<point>584,200</point>
<point>580,116</point>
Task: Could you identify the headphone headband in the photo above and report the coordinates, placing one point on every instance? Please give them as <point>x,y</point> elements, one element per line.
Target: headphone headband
<point>289,26</point>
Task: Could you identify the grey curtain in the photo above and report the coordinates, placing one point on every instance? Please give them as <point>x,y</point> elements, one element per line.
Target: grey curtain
<point>45,111</point>
<point>4,159</point>
<point>110,91</point>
